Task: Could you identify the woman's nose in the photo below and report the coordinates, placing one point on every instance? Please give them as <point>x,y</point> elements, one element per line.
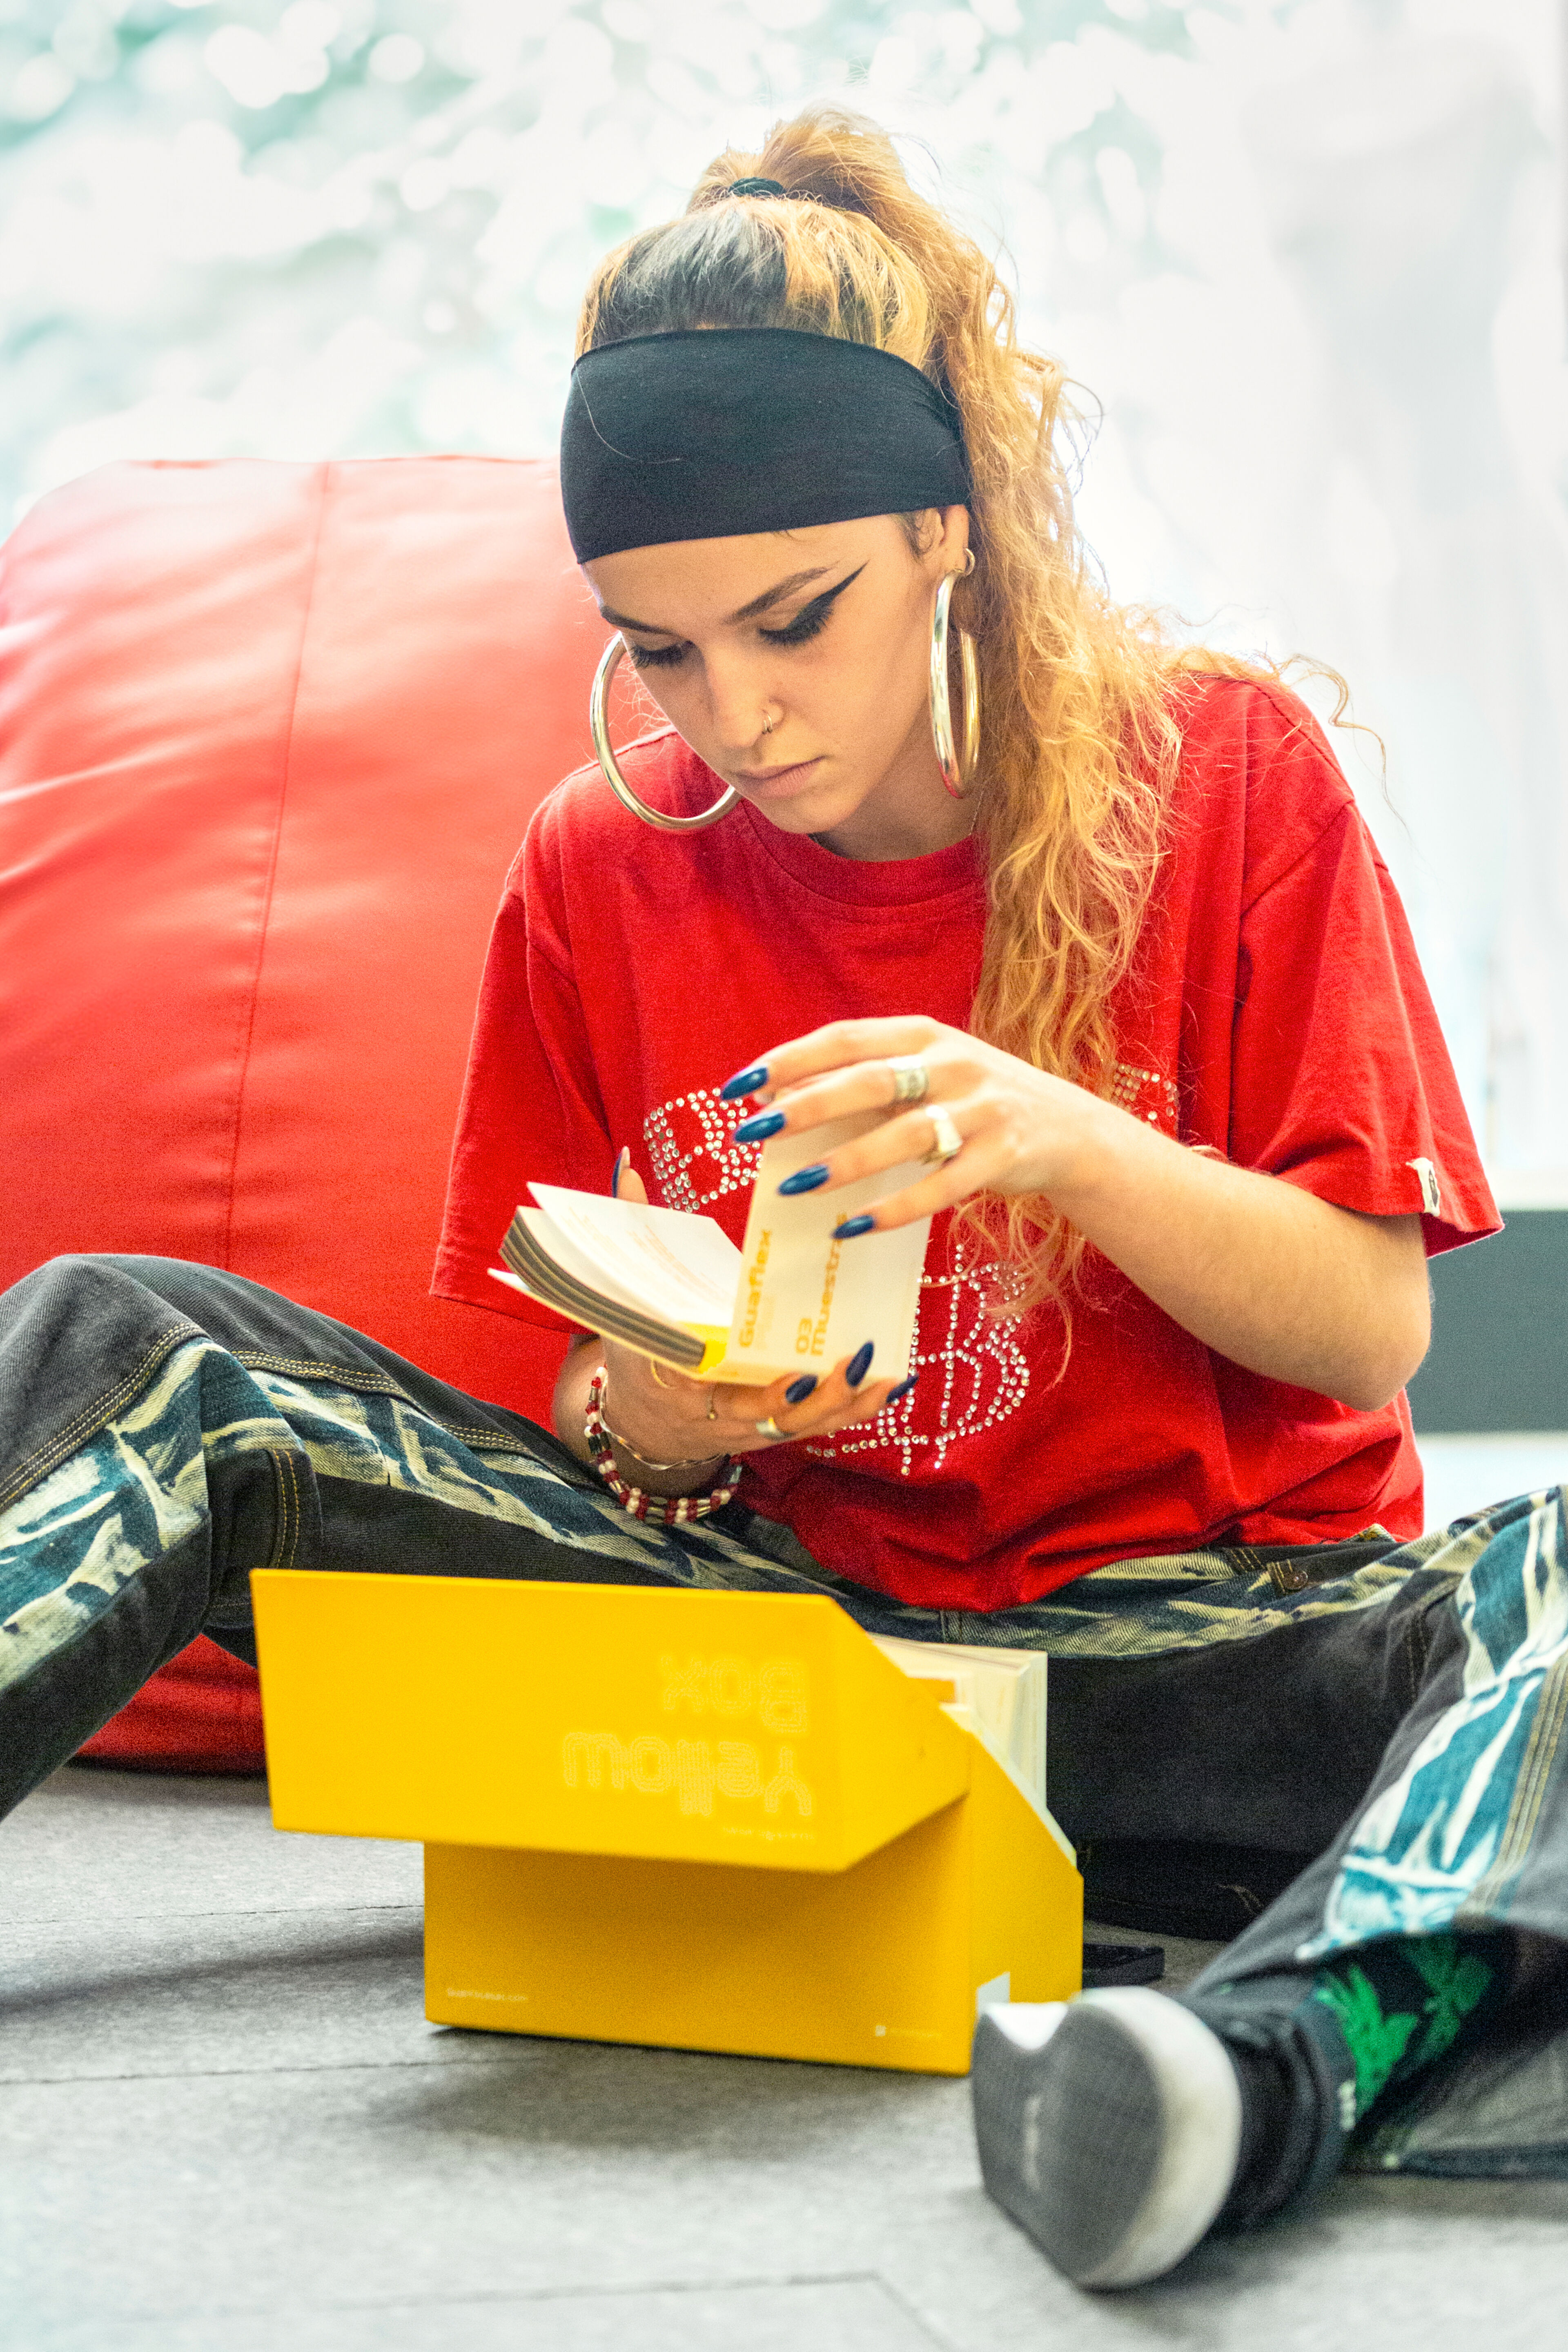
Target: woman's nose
<point>739,698</point>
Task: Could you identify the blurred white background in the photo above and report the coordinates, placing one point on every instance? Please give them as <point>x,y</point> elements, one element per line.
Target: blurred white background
<point>1306,255</point>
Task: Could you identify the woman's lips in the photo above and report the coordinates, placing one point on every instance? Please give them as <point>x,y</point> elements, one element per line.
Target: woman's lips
<point>774,784</point>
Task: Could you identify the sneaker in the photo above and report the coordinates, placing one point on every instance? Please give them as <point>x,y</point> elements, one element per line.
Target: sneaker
<point>1110,2128</point>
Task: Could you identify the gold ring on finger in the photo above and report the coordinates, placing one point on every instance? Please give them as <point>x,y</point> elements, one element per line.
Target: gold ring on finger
<point>946,1140</point>
<point>911,1080</point>
<point>769,1428</point>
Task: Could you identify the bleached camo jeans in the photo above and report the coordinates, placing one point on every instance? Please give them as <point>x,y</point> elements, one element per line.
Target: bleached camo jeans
<point>1370,1733</point>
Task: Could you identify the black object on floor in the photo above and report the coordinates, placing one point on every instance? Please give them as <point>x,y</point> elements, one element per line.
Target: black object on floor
<point>1121,1964</point>
<point>1177,1887</point>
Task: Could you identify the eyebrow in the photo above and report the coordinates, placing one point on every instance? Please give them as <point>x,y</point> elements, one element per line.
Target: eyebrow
<point>769,597</point>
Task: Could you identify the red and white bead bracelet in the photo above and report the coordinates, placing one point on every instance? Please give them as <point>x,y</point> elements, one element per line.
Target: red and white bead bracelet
<point>663,1510</point>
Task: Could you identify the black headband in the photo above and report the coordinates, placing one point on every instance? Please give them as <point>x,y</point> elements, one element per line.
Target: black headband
<point>718,431</point>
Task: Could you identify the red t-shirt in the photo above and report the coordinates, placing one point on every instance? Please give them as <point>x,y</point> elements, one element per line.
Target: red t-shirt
<point>1277,1013</point>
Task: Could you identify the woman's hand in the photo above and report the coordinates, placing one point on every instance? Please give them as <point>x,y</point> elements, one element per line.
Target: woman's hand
<point>1256,1267</point>
<point>691,1425</point>
<point>1020,1129</point>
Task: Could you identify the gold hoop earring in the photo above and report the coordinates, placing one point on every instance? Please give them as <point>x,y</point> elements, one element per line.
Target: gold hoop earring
<point>957,773</point>
<point>599,727</point>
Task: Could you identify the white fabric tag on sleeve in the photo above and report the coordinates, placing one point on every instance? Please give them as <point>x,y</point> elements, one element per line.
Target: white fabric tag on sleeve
<point>1426,1176</point>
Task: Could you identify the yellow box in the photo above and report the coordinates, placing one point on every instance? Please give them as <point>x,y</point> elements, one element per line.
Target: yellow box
<point>712,1820</point>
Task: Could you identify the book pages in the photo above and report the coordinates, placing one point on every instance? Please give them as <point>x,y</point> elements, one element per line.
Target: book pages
<point>662,1260</point>
<point>1000,1692</point>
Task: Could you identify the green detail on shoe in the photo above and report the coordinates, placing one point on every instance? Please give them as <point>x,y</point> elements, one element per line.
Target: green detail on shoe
<point>1376,2044</point>
<point>1459,1982</point>
<point>1403,2005</point>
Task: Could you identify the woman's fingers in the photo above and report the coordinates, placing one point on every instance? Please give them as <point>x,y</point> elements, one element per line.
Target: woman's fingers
<point>668,1417</point>
<point>992,1122</point>
<point>868,1086</point>
<point>984,1164</point>
<point>956,1069</point>
<point>838,1045</point>
<point>851,1391</point>
<point>916,1134</point>
<point>958,1180</point>
<point>792,1407</point>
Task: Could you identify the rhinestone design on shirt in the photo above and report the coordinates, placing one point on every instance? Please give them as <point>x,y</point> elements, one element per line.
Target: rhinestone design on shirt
<point>974,1374</point>
<point>1147,1095</point>
<point>693,1153</point>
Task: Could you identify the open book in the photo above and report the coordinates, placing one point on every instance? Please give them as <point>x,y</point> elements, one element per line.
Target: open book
<point>790,1300</point>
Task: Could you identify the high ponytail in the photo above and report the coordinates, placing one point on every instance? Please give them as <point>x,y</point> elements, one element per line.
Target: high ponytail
<point>1079,741</point>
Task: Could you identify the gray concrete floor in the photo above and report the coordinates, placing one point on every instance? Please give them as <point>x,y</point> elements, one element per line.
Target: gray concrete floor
<point>225,2127</point>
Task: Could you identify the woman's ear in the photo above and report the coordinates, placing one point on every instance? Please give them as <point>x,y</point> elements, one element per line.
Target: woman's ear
<point>941,539</point>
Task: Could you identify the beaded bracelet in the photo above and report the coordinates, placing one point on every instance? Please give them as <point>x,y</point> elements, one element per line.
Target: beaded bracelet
<point>664,1510</point>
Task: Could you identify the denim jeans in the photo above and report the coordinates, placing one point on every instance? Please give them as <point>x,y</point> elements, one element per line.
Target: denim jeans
<point>1319,1745</point>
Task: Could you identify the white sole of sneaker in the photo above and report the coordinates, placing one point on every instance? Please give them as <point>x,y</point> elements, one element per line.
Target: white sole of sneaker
<point>1108,2127</point>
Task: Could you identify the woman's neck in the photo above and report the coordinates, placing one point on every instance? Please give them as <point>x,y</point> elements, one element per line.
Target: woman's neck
<point>910,813</point>
<point>873,844</point>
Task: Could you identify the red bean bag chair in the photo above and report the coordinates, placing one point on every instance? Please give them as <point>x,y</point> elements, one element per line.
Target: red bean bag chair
<point>270,737</point>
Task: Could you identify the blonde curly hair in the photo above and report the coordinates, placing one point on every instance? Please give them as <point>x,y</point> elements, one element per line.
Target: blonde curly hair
<point>1080,740</point>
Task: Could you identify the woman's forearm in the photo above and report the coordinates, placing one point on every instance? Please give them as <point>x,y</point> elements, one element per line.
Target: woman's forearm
<point>1258,1269</point>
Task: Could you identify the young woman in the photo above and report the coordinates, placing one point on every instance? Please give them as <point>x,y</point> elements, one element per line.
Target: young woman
<point>1110,949</point>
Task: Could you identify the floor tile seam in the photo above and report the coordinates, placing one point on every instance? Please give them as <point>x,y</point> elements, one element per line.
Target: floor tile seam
<point>919,2319</point>
<point>121,1919</point>
<point>501,2299</point>
<point>257,2074</point>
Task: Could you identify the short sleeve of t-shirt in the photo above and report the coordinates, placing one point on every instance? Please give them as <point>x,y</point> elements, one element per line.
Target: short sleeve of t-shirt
<point>530,1106</point>
<point>1340,1082</point>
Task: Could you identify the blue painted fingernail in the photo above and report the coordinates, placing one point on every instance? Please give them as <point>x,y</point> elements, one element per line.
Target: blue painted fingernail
<point>859,1365</point>
<point>623,1162</point>
<point>852,1227</point>
<point>798,1390</point>
<point>744,1082</point>
<point>805,1180</point>
<point>759,1127</point>
<point>903,1388</point>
